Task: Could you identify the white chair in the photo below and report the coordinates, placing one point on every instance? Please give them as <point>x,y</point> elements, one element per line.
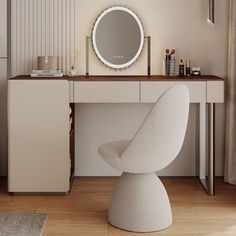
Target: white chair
<point>139,201</point>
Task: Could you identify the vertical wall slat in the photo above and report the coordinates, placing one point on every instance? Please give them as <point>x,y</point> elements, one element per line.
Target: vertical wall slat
<point>63,33</point>
<point>47,27</point>
<point>26,37</point>
<point>51,23</point>
<point>42,27</point>
<point>30,28</point>
<point>35,37</point>
<point>39,26</point>
<point>14,39</point>
<point>55,27</point>
<point>68,34</point>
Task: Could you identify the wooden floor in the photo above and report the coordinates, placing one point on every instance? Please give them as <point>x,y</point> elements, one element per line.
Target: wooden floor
<point>84,212</point>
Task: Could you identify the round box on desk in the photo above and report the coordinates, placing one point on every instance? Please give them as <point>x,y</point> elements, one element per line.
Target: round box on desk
<point>47,63</point>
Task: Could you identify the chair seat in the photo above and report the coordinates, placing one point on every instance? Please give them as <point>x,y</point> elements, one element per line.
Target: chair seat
<point>112,151</point>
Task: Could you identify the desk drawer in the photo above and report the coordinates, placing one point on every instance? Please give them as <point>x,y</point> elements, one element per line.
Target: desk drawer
<point>106,92</point>
<point>151,91</point>
<point>215,91</point>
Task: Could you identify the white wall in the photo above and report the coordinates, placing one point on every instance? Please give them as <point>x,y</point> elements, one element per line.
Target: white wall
<point>59,27</point>
<point>179,24</point>
<point>100,123</point>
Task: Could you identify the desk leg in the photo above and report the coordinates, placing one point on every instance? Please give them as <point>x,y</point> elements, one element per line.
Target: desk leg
<point>211,149</point>
<point>202,144</point>
<point>207,147</point>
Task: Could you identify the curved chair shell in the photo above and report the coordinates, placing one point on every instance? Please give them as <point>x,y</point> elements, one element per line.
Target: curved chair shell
<point>140,202</point>
<point>160,137</point>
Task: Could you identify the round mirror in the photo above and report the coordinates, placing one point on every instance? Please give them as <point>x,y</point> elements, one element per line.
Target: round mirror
<point>118,37</point>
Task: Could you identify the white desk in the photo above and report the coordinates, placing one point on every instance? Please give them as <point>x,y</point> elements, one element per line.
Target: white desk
<point>41,102</point>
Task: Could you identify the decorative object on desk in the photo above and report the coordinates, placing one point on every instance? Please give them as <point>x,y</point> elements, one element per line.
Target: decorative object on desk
<point>188,70</point>
<point>47,67</point>
<point>47,63</point>
<point>196,71</point>
<point>118,37</point>
<point>72,72</point>
<point>169,63</point>
<point>181,68</point>
<point>46,73</point>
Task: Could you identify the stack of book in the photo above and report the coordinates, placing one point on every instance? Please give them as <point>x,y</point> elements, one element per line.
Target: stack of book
<point>46,73</point>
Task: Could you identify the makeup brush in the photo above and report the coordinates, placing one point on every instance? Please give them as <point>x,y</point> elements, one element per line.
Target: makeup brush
<point>167,53</point>
<point>172,54</point>
<point>172,51</point>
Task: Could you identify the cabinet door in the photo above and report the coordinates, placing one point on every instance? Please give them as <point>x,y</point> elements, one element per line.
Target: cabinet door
<point>3,28</point>
<point>3,115</point>
<point>38,136</point>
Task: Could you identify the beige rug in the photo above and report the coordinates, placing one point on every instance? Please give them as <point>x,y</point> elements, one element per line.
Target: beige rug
<point>22,224</point>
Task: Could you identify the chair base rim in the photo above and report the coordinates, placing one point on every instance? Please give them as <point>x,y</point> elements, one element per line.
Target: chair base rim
<point>140,204</point>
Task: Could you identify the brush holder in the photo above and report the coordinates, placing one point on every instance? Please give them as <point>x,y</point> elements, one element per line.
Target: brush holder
<point>169,67</point>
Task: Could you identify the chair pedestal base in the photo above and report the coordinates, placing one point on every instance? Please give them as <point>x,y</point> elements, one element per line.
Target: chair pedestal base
<point>140,204</point>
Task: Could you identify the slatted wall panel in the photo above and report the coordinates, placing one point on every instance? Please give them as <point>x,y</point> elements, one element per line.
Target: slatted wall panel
<point>42,28</point>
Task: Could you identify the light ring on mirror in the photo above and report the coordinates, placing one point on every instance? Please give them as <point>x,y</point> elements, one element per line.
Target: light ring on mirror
<point>138,21</point>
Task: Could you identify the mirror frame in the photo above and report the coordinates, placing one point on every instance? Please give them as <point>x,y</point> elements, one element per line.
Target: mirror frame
<point>97,21</point>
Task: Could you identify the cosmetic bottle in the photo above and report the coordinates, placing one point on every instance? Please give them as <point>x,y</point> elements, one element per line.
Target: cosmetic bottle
<point>72,72</point>
<point>181,68</point>
<point>188,71</point>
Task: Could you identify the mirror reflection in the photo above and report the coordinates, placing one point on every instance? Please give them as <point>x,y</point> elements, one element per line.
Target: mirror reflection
<point>118,37</point>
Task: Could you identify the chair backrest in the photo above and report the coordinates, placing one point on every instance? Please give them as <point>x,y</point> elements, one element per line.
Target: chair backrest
<point>160,137</point>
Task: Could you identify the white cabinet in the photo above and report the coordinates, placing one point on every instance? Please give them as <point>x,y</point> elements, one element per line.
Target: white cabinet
<point>38,136</point>
<point>3,28</point>
<point>151,91</point>
<point>106,92</point>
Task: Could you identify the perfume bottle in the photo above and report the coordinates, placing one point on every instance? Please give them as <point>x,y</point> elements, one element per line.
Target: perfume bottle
<point>188,71</point>
<point>72,72</point>
<point>181,68</point>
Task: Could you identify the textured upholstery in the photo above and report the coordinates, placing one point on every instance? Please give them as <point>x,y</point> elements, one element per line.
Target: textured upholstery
<point>140,202</point>
<point>160,138</point>
<point>111,152</point>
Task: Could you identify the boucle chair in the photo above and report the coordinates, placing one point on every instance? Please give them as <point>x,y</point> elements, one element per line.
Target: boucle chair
<point>139,201</point>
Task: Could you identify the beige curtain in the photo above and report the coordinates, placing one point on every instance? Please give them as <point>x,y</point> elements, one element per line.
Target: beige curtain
<point>230,155</point>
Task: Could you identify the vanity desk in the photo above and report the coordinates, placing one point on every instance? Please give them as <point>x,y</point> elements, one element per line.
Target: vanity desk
<point>41,135</point>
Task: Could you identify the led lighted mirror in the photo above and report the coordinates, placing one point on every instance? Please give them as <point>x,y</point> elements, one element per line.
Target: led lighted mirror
<point>118,37</point>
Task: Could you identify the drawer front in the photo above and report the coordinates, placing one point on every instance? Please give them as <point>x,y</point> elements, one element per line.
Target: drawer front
<point>215,91</point>
<point>106,92</point>
<point>151,91</point>
<point>71,90</point>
